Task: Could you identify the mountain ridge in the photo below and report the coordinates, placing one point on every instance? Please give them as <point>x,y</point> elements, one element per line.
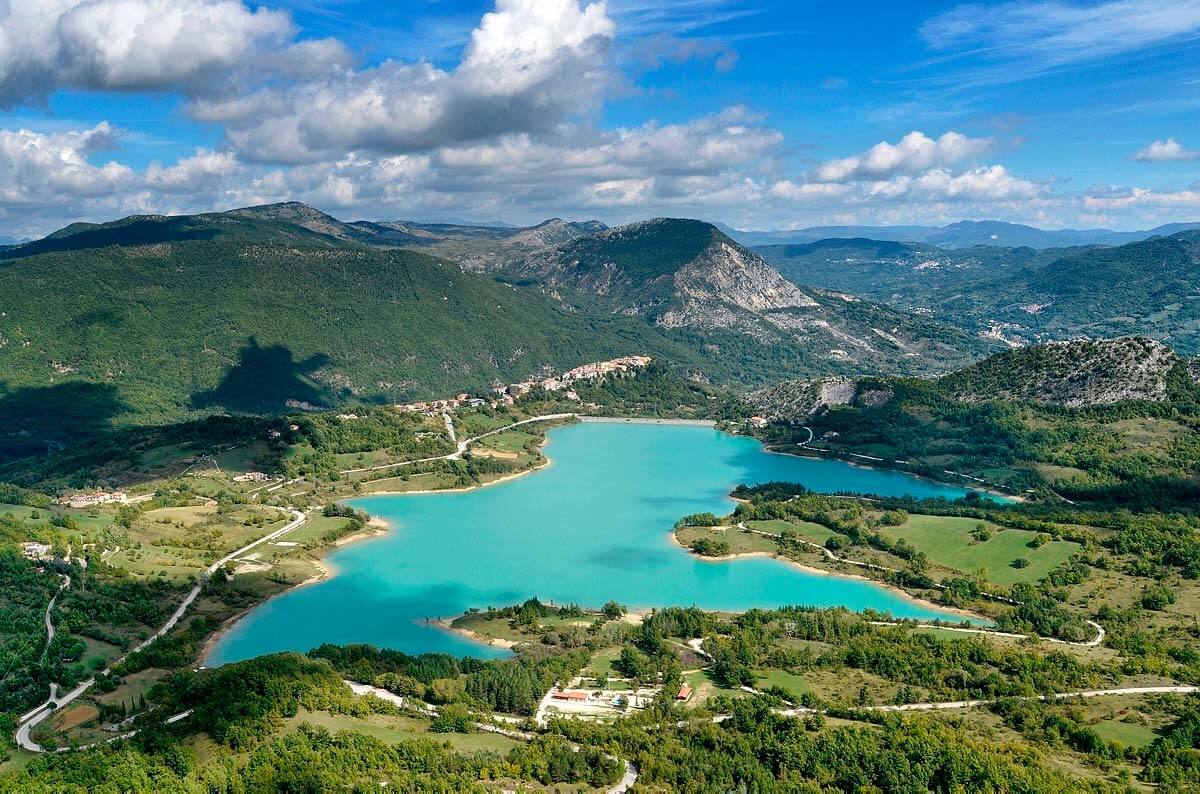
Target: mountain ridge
<point>961,234</point>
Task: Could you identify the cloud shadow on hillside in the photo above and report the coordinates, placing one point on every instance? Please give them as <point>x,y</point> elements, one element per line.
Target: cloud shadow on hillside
<point>37,419</point>
<point>264,380</point>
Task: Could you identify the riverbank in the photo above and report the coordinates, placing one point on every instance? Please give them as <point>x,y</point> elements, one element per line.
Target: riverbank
<point>812,569</point>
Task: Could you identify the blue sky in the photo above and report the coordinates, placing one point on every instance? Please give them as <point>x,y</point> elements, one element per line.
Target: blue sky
<point>758,114</point>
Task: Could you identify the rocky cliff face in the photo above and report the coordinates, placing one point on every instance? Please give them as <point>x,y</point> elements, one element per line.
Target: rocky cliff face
<point>687,275</point>
<point>1073,374</point>
<point>797,400</point>
<point>724,282</point>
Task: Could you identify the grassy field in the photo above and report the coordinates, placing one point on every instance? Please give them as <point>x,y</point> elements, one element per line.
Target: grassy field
<point>392,728</point>
<point>947,541</point>
<point>433,481</point>
<point>782,678</point>
<point>601,663</point>
<point>180,542</point>
<point>704,687</point>
<point>511,441</point>
<point>1127,733</point>
<point>739,542</point>
<point>806,530</point>
<point>314,529</point>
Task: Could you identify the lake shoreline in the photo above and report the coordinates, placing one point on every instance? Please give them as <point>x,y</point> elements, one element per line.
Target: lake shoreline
<point>820,454</point>
<point>812,569</point>
<point>644,420</point>
<point>447,624</point>
<point>377,528</point>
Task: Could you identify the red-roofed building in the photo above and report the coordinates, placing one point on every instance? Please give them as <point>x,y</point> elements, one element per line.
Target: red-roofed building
<point>685,692</point>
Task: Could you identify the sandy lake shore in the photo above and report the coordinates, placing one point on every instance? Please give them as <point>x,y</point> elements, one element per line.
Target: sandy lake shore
<point>812,569</point>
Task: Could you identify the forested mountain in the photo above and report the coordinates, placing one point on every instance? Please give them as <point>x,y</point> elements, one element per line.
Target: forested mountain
<point>151,318</point>
<point>1076,374</point>
<point>1021,295</point>
<point>1116,420</point>
<point>687,277</point>
<point>963,234</point>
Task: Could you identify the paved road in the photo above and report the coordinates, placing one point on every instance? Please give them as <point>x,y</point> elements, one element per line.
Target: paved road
<point>56,701</point>
<point>950,705</point>
<point>298,518</point>
<point>462,445</point>
<point>66,582</point>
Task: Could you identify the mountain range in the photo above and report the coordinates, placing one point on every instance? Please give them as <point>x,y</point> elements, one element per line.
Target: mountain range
<point>156,318</point>
<point>1020,295</point>
<point>963,234</point>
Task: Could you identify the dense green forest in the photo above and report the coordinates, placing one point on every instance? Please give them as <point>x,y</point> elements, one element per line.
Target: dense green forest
<point>174,321</point>
<point>1138,453</point>
<point>1146,287</point>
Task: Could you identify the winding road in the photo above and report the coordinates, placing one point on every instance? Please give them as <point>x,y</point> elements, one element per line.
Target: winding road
<point>461,445</point>
<point>36,716</point>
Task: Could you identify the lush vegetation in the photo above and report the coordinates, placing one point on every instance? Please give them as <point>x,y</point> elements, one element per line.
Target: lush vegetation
<point>154,319</point>
<point>1142,288</point>
<point>1139,454</point>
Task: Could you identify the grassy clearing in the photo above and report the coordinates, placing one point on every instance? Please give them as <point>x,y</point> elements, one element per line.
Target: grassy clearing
<point>704,687</point>
<point>947,541</point>
<point>314,529</point>
<point>1127,733</point>
<point>739,542</point>
<point>513,441</point>
<point>782,678</point>
<point>434,481</point>
<point>601,663</point>
<point>244,458</point>
<point>185,516</point>
<point>179,542</point>
<point>394,729</point>
<point>73,716</point>
<point>132,687</point>
<point>813,533</point>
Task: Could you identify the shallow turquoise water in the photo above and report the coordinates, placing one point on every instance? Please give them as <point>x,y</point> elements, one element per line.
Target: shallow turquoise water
<point>593,526</point>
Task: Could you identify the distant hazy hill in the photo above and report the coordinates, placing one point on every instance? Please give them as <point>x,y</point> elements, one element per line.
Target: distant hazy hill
<point>961,235</point>
<point>688,278</point>
<point>1150,287</point>
<point>151,318</point>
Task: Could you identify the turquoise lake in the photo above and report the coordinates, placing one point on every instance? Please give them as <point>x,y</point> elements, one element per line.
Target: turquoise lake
<point>592,526</point>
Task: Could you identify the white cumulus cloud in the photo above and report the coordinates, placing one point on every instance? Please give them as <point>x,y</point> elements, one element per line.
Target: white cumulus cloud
<point>1166,151</point>
<point>530,65</point>
<point>914,152</point>
<point>137,45</point>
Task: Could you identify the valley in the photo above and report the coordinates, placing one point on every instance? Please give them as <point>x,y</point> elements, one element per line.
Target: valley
<point>640,570</point>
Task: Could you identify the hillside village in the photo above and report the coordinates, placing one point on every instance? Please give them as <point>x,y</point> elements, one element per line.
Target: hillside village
<point>507,394</point>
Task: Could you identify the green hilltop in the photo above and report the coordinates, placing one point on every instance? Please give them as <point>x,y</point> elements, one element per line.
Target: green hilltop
<point>152,319</point>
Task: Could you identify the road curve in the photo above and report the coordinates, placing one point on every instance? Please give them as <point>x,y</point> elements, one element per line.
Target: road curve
<point>461,446</point>
<point>38,715</point>
<point>298,518</point>
<point>66,582</point>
